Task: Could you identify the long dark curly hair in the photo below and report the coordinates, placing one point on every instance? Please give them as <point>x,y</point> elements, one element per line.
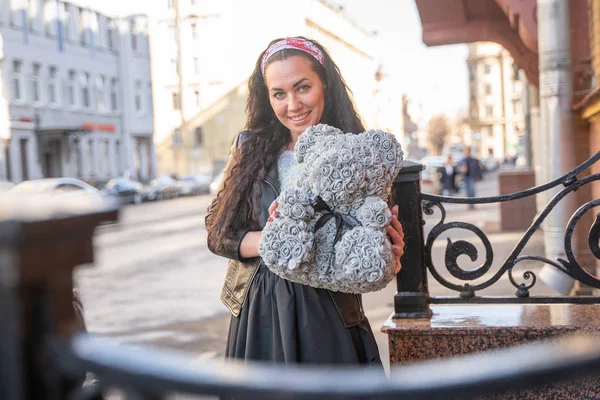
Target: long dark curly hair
<point>237,205</point>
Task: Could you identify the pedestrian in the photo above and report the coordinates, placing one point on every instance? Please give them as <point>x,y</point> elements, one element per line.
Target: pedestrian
<point>448,177</point>
<point>471,172</point>
<point>295,84</point>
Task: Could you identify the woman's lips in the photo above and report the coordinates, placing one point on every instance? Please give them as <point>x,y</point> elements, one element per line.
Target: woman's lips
<point>299,118</point>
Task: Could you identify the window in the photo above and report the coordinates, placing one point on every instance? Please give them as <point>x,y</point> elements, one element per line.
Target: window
<point>149,102</point>
<point>138,97</point>
<point>198,137</point>
<point>85,90</point>
<point>169,4</point>
<point>94,27</point>
<point>488,68</point>
<point>176,137</point>
<point>66,21</point>
<point>34,12</point>
<point>472,72</point>
<point>17,81</point>
<point>52,84</point>
<point>83,27</point>
<point>197,97</point>
<point>196,65</point>
<point>67,188</point>
<point>36,96</point>
<point>133,33</point>
<point>101,93</point>
<point>90,157</point>
<point>488,89</point>
<point>106,157</point>
<point>516,107</point>
<point>176,101</point>
<point>118,156</point>
<point>489,110</point>
<point>193,2</point>
<point>194,29</point>
<point>172,33</point>
<point>114,84</point>
<point>173,63</point>
<point>71,88</point>
<point>49,17</point>
<point>110,26</point>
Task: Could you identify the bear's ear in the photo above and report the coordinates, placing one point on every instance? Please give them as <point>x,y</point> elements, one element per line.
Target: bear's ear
<point>311,137</point>
<point>389,149</point>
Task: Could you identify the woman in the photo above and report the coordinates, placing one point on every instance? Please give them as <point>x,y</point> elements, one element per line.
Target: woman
<point>295,84</point>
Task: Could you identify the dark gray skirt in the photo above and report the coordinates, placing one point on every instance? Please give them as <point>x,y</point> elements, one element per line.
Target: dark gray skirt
<point>288,322</point>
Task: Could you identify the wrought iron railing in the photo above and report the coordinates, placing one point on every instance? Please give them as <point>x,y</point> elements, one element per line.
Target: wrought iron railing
<point>412,299</point>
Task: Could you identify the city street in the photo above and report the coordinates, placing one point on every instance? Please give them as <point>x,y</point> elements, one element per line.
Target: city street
<point>155,282</point>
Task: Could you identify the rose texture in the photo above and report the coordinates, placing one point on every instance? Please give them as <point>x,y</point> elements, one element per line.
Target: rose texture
<point>353,174</point>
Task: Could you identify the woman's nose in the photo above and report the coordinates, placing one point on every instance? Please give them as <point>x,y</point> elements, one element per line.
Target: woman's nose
<point>293,103</point>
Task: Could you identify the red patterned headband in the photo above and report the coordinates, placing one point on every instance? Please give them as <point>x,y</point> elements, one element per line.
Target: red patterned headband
<point>293,43</point>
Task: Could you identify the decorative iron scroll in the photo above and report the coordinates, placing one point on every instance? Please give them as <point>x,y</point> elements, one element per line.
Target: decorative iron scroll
<point>454,249</point>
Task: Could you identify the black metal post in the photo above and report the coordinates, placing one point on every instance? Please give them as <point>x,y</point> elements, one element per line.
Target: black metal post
<point>412,298</point>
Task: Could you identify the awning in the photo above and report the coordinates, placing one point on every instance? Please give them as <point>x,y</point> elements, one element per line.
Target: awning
<point>510,23</point>
<point>59,130</point>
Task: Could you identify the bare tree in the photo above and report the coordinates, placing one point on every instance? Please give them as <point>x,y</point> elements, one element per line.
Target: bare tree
<point>438,131</point>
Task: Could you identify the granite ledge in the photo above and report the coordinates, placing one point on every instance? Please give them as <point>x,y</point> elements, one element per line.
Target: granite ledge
<point>486,319</point>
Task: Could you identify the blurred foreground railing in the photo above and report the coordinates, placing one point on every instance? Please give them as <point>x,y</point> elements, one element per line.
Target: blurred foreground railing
<point>145,373</point>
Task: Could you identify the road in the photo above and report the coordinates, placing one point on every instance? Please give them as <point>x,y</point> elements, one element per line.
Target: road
<point>155,282</point>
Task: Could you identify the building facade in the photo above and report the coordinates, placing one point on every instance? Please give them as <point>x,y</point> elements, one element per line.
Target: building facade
<point>496,117</point>
<point>76,96</point>
<point>206,51</point>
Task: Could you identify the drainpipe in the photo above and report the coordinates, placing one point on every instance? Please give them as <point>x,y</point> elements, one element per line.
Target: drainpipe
<point>556,123</point>
<point>504,122</point>
<point>180,82</point>
<point>526,100</point>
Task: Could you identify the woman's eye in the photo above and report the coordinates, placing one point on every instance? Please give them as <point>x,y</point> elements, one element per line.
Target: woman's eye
<point>279,95</point>
<point>303,88</point>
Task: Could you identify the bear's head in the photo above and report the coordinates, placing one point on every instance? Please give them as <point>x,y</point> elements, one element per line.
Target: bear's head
<point>342,168</point>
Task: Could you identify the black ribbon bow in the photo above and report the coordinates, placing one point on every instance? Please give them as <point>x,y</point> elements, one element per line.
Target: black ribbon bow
<point>341,220</point>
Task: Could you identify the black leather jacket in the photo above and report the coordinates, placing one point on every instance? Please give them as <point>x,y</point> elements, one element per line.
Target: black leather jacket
<point>241,272</point>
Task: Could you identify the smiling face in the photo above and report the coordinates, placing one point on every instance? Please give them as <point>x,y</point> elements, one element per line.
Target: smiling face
<point>296,93</point>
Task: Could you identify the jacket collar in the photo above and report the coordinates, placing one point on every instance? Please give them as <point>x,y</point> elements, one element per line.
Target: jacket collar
<point>273,176</point>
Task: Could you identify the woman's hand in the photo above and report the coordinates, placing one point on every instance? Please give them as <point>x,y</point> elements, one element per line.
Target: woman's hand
<point>396,235</point>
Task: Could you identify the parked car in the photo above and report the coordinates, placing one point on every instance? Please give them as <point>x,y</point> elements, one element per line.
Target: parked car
<point>432,164</point>
<point>216,183</point>
<point>193,184</point>
<point>126,190</point>
<point>6,185</point>
<point>163,187</point>
<point>55,186</point>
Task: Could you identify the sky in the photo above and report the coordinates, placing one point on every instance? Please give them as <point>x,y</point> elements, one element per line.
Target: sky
<point>435,77</point>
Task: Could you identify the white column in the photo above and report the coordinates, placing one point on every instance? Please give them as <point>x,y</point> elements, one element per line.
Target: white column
<point>556,98</point>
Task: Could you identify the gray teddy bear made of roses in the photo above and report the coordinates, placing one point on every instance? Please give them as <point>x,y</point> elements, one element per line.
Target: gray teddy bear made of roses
<point>330,231</point>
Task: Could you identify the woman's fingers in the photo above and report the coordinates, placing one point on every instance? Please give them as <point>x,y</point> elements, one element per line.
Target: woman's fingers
<point>398,265</point>
<point>397,237</point>
<point>273,207</point>
<point>396,233</point>
<point>273,211</point>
